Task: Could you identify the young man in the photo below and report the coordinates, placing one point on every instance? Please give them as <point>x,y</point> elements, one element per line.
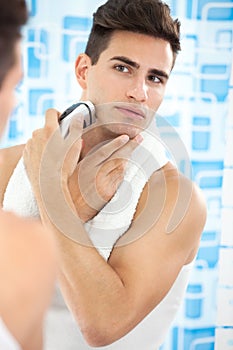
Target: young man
<point>26,278</point>
<point>134,207</point>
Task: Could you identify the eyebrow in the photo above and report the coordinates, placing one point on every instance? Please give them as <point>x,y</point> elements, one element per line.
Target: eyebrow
<point>134,64</point>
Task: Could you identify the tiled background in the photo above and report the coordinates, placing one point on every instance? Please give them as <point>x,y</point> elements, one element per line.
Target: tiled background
<point>198,104</point>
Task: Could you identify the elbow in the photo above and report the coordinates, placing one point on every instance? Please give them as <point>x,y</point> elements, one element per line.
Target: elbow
<point>97,336</point>
<point>97,340</point>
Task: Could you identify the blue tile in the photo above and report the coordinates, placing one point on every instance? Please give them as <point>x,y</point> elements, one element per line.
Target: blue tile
<point>174,119</point>
<point>34,63</point>
<point>220,13</point>
<point>194,301</point>
<point>77,23</point>
<point>207,166</point>
<point>209,254</point>
<point>224,36</point>
<point>202,121</point>
<point>34,101</point>
<point>82,24</point>
<point>32,7</point>
<point>199,339</point>
<point>201,140</point>
<point>13,129</point>
<point>216,84</point>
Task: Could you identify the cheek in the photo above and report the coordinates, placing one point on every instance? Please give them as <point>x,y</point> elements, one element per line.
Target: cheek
<point>103,88</point>
<point>156,98</point>
<point>99,91</point>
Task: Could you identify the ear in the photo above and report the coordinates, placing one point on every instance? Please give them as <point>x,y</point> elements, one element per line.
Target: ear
<point>83,62</point>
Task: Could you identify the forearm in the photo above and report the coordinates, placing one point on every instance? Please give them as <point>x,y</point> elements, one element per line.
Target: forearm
<point>35,340</point>
<point>94,291</point>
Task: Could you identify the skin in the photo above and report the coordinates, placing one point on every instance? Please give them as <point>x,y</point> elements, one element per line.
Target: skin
<point>133,269</point>
<point>137,70</point>
<point>28,279</point>
<point>7,92</point>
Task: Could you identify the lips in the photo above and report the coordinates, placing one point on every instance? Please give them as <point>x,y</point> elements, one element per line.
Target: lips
<point>132,112</point>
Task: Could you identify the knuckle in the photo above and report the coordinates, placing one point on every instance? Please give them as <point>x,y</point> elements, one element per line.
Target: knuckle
<point>36,132</point>
<point>49,111</point>
<point>122,167</point>
<point>120,178</point>
<point>101,152</point>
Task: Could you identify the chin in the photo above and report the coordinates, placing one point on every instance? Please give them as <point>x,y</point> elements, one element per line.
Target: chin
<point>124,129</point>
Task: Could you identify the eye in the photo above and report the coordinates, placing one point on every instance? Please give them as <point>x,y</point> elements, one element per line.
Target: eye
<point>155,79</point>
<point>121,68</point>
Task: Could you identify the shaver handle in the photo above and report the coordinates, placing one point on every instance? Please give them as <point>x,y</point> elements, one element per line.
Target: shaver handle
<point>85,108</point>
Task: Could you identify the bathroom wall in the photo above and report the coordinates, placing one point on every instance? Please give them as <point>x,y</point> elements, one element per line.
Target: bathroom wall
<point>196,105</point>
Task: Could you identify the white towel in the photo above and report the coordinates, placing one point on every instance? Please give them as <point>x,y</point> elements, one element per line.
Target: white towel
<point>116,216</point>
<point>7,340</point>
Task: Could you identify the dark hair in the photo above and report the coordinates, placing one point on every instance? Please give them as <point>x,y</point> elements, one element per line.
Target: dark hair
<point>150,17</point>
<point>13,14</point>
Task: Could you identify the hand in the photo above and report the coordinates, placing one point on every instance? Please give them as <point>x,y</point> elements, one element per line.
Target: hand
<point>98,175</point>
<point>46,151</point>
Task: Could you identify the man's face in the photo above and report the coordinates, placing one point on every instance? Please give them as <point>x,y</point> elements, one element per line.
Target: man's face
<point>133,70</point>
<point>7,91</point>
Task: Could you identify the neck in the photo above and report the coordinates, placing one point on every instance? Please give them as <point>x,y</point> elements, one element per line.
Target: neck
<point>93,137</point>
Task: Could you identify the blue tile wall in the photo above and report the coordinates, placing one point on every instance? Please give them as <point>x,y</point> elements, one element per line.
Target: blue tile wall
<point>217,10</point>
<point>80,24</point>
<point>196,105</point>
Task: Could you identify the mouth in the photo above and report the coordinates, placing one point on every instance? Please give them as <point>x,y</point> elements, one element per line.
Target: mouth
<point>132,112</point>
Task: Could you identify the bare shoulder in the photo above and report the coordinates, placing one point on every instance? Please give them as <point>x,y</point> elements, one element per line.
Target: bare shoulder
<point>171,209</point>
<point>27,263</point>
<point>183,198</point>
<point>164,235</point>
<point>175,196</point>
<point>9,157</point>
<point>22,234</point>
<point>26,250</point>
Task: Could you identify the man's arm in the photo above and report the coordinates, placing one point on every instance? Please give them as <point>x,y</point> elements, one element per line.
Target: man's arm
<point>9,158</point>
<point>27,272</point>
<point>108,299</point>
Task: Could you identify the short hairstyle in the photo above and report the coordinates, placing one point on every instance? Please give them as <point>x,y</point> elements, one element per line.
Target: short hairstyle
<point>13,14</point>
<point>150,17</point>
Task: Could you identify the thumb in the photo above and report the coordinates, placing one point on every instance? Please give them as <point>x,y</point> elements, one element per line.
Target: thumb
<point>72,156</point>
<point>51,118</point>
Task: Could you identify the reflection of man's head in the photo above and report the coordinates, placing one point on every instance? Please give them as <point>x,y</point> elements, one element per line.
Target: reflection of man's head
<point>151,17</point>
<point>128,59</point>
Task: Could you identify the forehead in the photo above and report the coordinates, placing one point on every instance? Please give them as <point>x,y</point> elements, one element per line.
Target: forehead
<point>146,50</point>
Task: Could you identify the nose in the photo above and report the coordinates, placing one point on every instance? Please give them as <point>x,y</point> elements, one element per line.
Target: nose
<point>138,91</point>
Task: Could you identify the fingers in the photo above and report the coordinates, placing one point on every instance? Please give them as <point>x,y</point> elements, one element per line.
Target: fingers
<point>52,118</point>
<point>105,151</point>
<point>119,147</point>
<point>111,159</point>
<point>126,151</point>
<point>117,175</point>
<point>116,164</point>
<point>111,165</point>
<point>114,154</point>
